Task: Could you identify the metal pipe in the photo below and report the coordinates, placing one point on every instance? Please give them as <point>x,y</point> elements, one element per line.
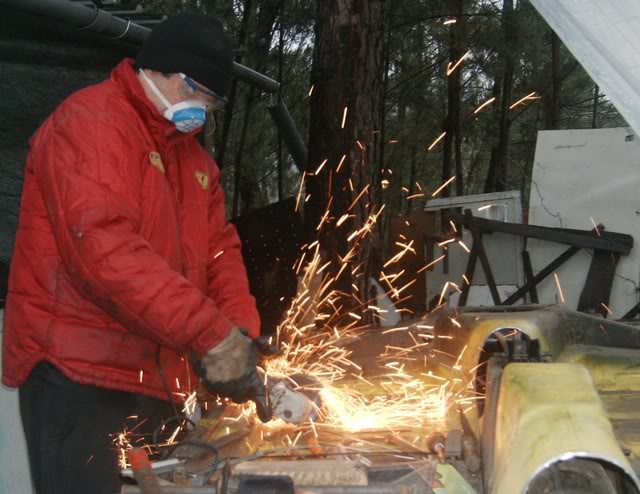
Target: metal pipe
<point>256,79</point>
<point>101,21</point>
<point>83,17</point>
<point>290,135</point>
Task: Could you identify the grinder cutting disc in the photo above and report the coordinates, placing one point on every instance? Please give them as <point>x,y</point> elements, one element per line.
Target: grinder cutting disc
<point>295,399</point>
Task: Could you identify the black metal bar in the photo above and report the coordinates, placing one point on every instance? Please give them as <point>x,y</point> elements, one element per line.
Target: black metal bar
<point>635,310</point>
<point>482,255</point>
<point>290,134</point>
<point>471,268</point>
<point>613,242</point>
<point>597,287</point>
<point>528,273</point>
<point>488,273</point>
<point>551,267</point>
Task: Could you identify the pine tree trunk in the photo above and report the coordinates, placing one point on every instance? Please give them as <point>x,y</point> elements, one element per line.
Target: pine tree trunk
<point>553,121</point>
<point>452,139</point>
<point>345,74</point>
<point>501,164</point>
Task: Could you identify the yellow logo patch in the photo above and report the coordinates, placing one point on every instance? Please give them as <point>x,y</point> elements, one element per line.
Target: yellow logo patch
<point>156,160</point>
<point>203,180</point>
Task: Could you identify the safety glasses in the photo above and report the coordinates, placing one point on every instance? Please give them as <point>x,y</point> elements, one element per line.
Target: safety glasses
<point>218,101</point>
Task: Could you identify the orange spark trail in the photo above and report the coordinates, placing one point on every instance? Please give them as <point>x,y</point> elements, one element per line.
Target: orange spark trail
<point>434,143</point>
<point>484,105</point>
<point>441,188</point>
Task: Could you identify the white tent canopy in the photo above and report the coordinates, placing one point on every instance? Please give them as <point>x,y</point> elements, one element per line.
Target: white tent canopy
<point>604,36</point>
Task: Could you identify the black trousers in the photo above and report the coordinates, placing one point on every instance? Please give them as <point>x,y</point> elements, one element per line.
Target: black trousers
<point>70,429</point>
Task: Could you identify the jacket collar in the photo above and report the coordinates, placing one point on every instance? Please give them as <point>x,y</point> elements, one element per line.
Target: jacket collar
<point>125,76</point>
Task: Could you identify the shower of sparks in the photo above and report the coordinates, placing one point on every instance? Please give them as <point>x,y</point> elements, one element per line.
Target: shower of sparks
<point>559,288</point>
<point>595,226</point>
<point>323,324</point>
<point>484,105</point>
<point>606,308</point>
<point>123,444</point>
<point>314,338</point>
<point>319,169</point>
<point>531,96</point>
<point>304,174</point>
<point>344,117</point>
<point>434,143</point>
<point>451,67</point>
<point>344,156</point>
<point>448,22</point>
<point>415,196</point>
<point>443,186</point>
<point>484,208</point>
<point>190,404</point>
<point>432,263</point>
<point>311,90</point>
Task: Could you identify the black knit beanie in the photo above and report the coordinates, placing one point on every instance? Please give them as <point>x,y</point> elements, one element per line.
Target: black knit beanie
<point>193,44</point>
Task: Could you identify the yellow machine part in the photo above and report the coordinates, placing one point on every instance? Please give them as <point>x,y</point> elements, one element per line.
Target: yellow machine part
<point>616,376</point>
<point>549,413</point>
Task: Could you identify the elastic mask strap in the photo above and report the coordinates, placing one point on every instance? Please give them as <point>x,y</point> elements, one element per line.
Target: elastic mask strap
<point>155,89</point>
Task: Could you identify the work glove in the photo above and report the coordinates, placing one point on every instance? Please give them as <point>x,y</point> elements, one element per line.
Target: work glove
<point>266,349</point>
<point>230,370</point>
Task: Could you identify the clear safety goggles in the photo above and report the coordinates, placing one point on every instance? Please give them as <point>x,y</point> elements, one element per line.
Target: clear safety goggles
<point>212,106</point>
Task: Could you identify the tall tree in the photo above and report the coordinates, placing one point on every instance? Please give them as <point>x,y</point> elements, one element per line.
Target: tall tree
<point>452,125</point>
<point>497,179</point>
<point>346,78</point>
<point>553,117</point>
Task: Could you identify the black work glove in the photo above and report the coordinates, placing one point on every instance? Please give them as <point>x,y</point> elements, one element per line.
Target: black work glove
<point>230,370</point>
<point>266,349</point>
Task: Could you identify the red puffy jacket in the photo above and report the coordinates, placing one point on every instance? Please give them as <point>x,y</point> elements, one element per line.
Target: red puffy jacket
<point>122,248</point>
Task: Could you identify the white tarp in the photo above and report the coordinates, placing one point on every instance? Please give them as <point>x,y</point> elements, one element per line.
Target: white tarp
<point>604,36</point>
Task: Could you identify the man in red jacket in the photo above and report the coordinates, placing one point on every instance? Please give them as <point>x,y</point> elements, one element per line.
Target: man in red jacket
<point>124,270</point>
